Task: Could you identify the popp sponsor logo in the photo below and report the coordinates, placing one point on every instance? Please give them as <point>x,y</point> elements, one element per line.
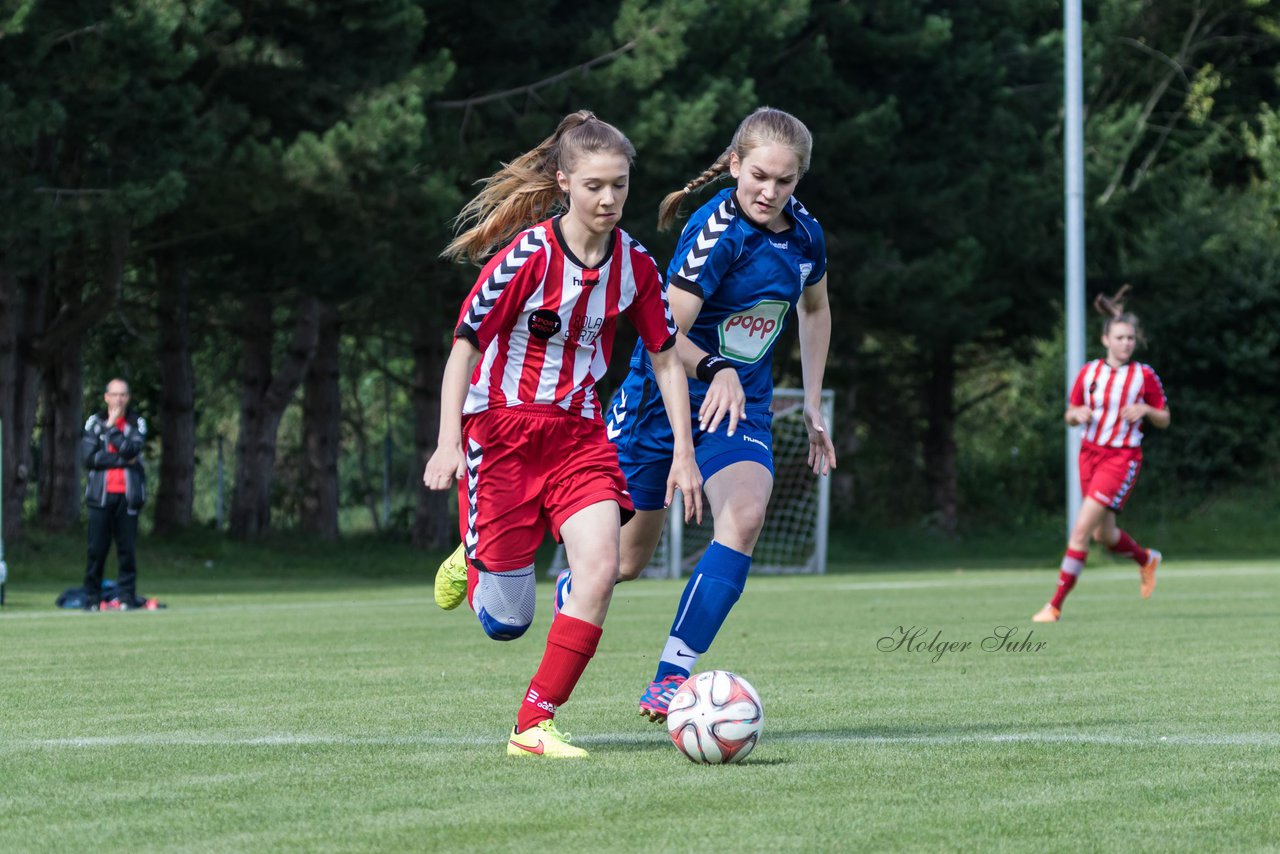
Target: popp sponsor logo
<point>752,324</point>
<point>748,335</point>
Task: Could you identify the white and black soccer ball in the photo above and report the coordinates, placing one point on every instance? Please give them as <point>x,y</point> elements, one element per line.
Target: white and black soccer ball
<point>715,718</point>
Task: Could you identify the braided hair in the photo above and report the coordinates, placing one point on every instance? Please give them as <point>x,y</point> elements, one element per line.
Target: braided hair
<point>765,126</point>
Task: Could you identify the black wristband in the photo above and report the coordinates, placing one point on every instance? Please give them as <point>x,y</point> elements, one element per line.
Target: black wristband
<point>710,366</point>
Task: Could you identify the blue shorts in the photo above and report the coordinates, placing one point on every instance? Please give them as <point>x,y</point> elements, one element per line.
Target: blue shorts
<point>637,424</point>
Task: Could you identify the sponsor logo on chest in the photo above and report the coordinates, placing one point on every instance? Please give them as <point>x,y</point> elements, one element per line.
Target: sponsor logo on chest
<point>748,335</point>
<point>584,329</point>
<point>544,324</point>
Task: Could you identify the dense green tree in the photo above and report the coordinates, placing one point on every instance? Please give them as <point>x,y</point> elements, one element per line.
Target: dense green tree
<point>96,126</point>
<point>1182,186</point>
<point>227,203</point>
<point>935,182</point>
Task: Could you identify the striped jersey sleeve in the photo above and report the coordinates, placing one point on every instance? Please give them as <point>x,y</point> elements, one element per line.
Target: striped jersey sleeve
<point>649,310</point>
<point>705,253</point>
<point>499,292</point>
<point>1153,389</point>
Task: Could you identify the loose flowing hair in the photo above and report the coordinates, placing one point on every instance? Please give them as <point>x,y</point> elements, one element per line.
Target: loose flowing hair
<point>766,126</point>
<point>525,191</point>
<point>1111,307</point>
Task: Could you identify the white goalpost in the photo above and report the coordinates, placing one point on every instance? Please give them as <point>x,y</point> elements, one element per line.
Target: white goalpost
<point>794,539</point>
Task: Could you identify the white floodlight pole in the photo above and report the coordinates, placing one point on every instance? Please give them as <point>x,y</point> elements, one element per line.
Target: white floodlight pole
<point>1073,165</point>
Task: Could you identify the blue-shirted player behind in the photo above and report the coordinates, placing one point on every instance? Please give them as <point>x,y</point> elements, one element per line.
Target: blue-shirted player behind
<point>744,260</point>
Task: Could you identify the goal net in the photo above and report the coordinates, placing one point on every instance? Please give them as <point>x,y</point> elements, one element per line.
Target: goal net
<point>794,539</point>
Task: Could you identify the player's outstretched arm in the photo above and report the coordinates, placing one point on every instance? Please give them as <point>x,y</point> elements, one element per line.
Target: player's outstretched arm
<point>813,313</point>
<point>448,461</point>
<point>684,475</point>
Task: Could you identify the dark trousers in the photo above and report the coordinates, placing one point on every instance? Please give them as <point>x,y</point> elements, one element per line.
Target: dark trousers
<point>116,522</point>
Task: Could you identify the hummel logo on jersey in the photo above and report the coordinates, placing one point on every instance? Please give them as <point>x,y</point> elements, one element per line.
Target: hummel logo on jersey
<point>622,398</point>
<point>702,246</point>
<point>779,244</point>
<point>530,244</point>
<point>614,428</point>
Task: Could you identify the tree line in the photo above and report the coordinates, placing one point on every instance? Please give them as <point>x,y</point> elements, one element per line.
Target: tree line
<point>238,206</point>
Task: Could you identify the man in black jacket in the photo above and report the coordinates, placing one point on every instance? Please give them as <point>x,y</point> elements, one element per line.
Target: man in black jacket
<point>116,489</point>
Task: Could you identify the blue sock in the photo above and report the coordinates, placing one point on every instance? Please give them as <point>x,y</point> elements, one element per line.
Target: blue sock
<point>710,594</point>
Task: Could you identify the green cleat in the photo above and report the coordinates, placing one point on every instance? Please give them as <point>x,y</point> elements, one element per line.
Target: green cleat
<point>543,739</point>
<point>451,580</point>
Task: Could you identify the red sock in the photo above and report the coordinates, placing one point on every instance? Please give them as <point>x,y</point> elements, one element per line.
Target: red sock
<point>1126,546</point>
<point>570,645</point>
<point>1065,582</point>
<point>1072,565</point>
<point>473,578</point>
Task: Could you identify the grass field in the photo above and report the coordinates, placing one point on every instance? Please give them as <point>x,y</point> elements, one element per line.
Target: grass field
<point>266,710</point>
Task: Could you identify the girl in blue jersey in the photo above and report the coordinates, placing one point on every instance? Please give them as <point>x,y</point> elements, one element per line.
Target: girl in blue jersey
<point>746,258</point>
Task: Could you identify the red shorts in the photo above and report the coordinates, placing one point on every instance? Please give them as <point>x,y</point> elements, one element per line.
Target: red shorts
<point>1107,475</point>
<point>530,468</point>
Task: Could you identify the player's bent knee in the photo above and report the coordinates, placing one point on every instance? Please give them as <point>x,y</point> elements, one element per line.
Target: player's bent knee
<point>628,572</point>
<point>742,521</point>
<point>505,603</point>
<point>501,628</point>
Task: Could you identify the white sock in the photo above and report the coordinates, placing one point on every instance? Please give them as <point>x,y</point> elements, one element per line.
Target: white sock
<point>679,655</point>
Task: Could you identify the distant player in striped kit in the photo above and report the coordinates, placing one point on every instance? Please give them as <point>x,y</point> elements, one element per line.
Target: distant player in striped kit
<point>520,424</point>
<point>746,258</point>
<point>1112,398</point>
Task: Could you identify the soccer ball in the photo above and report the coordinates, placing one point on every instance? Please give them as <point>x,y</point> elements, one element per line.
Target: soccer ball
<point>715,718</point>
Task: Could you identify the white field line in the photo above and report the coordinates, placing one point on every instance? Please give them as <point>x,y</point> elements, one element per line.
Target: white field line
<point>1244,739</point>
<point>989,578</point>
<point>777,584</point>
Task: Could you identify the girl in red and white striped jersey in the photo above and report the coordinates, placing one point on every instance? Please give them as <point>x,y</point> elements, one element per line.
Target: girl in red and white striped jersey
<point>1111,398</point>
<point>520,423</point>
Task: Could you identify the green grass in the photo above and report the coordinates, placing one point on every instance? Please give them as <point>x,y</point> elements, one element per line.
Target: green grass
<point>312,698</point>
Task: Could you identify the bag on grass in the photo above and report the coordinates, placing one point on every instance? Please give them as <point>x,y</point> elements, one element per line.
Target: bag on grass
<point>75,597</point>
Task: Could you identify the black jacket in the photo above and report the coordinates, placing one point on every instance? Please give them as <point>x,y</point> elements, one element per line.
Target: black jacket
<point>97,456</point>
